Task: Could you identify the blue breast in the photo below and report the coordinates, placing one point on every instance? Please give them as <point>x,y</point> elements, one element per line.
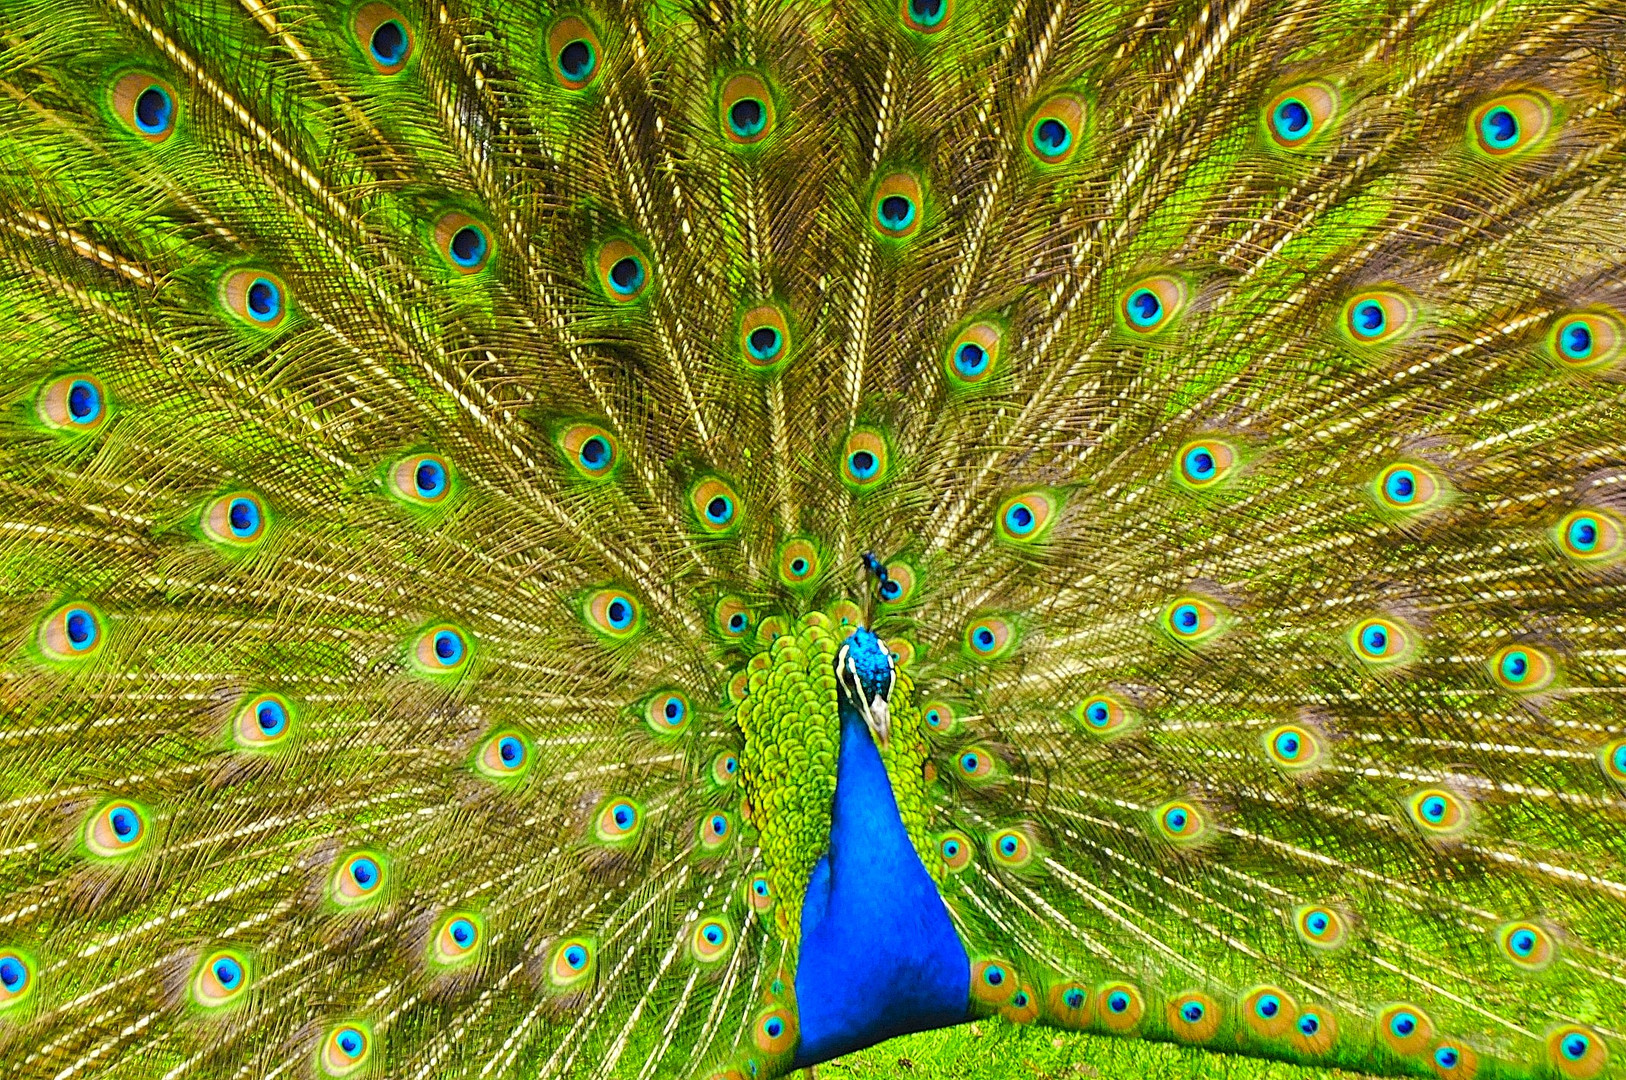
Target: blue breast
<point>879,954</point>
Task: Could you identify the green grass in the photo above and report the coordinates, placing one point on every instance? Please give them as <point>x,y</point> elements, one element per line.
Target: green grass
<point>991,1049</point>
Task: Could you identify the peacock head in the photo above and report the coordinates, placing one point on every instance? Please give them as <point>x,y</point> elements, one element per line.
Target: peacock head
<point>865,673</point>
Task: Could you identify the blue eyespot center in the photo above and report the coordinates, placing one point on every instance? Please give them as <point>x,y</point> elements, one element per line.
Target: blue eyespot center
<point>1144,307</point>
<point>674,706</point>
<point>798,566</point>
<point>896,213</point>
<point>84,403</point>
<point>576,957</point>
<point>1098,714</point>
<point>576,60</point>
<point>1176,820</point>
<point>719,825</point>
<point>1434,810</point>
<point>1007,845</point>
<point>1576,341</point>
<point>13,975</point>
<point>1375,640</point>
<point>1575,1046</point>
<point>1583,533</point>
<point>1052,137</point>
<point>720,510</point>
<point>1515,666</point>
<point>595,452</point>
<point>264,300</point>
<point>1522,942</point>
<point>1401,486</point>
<point>1309,1024</point>
<point>364,872</point>
<point>350,1041</point>
<point>747,117</point>
<point>951,848</point>
<point>969,762</point>
<point>891,590</point>
<point>1118,1001</point>
<point>1192,1012</point>
<point>1500,128</point>
<point>737,622</point>
<point>81,626</point>
<point>1446,1057</point>
<point>1318,923</point>
<point>468,246</point>
<point>970,359</point>
<point>994,975</point>
<point>1287,745</point>
<point>1403,1024</point>
<point>1292,119</point>
<point>389,43</point>
<point>623,815</point>
<point>619,613</point>
<point>1186,618</point>
<point>713,934</point>
<point>1368,318</point>
<point>511,750</point>
<point>126,825</point>
<point>774,1027</point>
<point>244,517</point>
<point>763,342</point>
<point>760,886</point>
<point>153,110</point>
<point>863,464</point>
<point>1074,999</point>
<point>626,275</point>
<point>448,647</point>
<point>926,12</point>
<point>227,972</point>
<point>984,638</point>
<point>462,931</point>
<point>271,717</point>
<point>1200,464</point>
<point>1268,1006</point>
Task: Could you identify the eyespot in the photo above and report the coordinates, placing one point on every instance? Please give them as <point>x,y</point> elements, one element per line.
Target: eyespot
<point>745,110</point>
<point>238,519</point>
<point>1025,518</point>
<point>346,1050</point>
<point>1192,619</point>
<point>1023,1008</point>
<point>262,722</point>
<point>1510,125</point>
<point>149,106</point>
<point>573,963</point>
<point>385,38</point>
<point>255,296</point>
<point>421,479</point>
<point>1268,1011</point>
<point>899,585</point>
<point>759,893</point>
<point>1587,340</point>
<point>716,830</point>
<point>71,632</point>
<point>1320,926</point>
<point>667,712</point>
<point>1293,747</point>
<point>359,879</point>
<point>591,450</point>
<point>457,939</point>
<point>775,1031</point>
<point>988,638</point>
<point>220,979</point>
<point>864,459</point>
<point>1194,1016</point>
<point>1068,1005</point>
<point>1406,1029</point>
<point>1180,822</point>
<point>973,356</point>
<point>73,403</point>
<point>1010,848</point>
<point>575,53</point>
<point>1314,1031</point>
<point>1296,116</point>
<point>623,272</point>
<point>1437,812</point>
<point>925,16</point>
<point>1590,536</point>
<point>463,242</point>
<point>1523,669</point>
<point>733,618</point>
<point>1612,758</point>
<point>1204,463</point>
<point>715,506</point>
<point>1055,130</point>
<point>119,828</point>
<point>1406,488</point>
<point>939,716</point>
<point>505,755</point>
<point>771,630</point>
<point>798,564</point>
<point>1376,316</point>
<point>764,338</point>
<point>1454,1061</point>
<point>1381,641</point>
<point>618,821</point>
<point>725,768</point>
<point>17,978</point>
<point>1577,1052</point>
<point>613,613</point>
<point>1119,1006</point>
<point>442,649</point>
<point>897,206</point>
<point>1150,304</point>
<point>1105,715</point>
<point>993,982</point>
<point>711,939</point>
<point>1526,945</point>
<point>955,849</point>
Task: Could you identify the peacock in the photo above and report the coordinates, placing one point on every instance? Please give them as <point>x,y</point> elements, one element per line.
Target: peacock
<point>687,538</point>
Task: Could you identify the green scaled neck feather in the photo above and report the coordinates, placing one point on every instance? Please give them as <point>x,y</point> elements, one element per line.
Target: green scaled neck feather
<point>639,539</point>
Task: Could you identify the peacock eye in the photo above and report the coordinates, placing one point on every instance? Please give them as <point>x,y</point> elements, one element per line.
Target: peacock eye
<point>896,209</point>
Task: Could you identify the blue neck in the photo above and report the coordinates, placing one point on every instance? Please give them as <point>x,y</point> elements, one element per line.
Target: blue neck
<point>879,954</point>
